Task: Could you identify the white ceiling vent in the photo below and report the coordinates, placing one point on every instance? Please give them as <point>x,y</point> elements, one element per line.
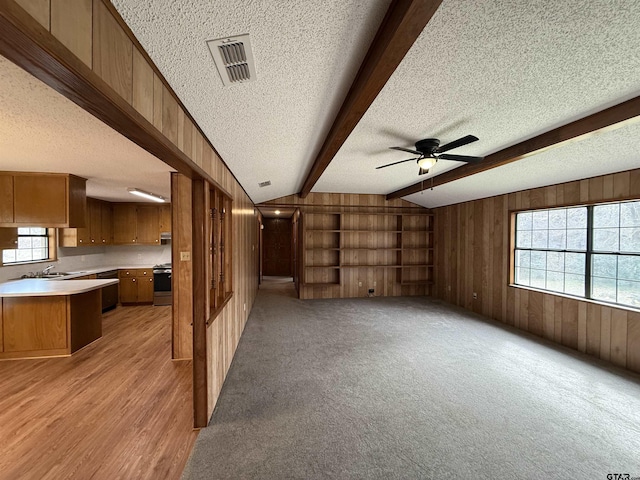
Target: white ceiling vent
<point>233,58</point>
<point>264,184</point>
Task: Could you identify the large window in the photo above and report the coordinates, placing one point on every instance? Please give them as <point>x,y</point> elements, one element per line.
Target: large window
<point>591,251</point>
<point>33,246</point>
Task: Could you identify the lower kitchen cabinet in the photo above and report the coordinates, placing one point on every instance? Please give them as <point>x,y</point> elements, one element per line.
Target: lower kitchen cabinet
<point>136,286</point>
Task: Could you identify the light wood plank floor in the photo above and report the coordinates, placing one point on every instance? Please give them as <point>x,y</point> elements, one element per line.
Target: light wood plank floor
<point>118,409</point>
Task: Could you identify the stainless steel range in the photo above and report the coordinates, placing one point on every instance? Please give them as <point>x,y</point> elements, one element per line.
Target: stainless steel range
<point>162,284</point>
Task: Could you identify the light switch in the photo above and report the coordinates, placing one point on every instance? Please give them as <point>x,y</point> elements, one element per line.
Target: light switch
<point>185,256</point>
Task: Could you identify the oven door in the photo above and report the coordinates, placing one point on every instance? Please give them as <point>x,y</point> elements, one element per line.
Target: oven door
<point>162,287</point>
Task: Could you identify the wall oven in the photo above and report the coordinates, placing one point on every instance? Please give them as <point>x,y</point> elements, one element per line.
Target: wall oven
<point>162,284</point>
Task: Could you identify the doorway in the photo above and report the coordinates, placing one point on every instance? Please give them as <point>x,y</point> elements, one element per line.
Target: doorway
<point>277,260</point>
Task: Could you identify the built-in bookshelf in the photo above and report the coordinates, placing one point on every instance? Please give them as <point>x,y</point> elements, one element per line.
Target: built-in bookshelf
<point>399,242</point>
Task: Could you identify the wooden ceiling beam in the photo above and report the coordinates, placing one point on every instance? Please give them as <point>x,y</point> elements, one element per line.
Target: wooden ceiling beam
<point>608,119</point>
<point>403,23</point>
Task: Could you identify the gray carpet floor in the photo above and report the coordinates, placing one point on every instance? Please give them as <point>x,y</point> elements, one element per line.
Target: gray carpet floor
<point>387,388</point>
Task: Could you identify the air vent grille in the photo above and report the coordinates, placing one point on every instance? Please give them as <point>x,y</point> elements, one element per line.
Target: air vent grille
<point>264,184</point>
<point>233,59</point>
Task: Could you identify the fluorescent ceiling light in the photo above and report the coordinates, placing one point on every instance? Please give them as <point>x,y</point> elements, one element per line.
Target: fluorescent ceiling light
<point>147,195</point>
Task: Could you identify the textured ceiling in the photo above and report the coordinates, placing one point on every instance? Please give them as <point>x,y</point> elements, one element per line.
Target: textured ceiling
<point>501,70</point>
<point>307,53</point>
<point>42,131</point>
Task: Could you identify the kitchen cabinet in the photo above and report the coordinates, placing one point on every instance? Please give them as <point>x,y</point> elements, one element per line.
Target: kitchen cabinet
<point>139,224</point>
<point>42,200</point>
<point>136,286</point>
<point>8,238</point>
<point>98,227</point>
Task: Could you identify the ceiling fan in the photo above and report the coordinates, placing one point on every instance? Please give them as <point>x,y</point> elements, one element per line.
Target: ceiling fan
<point>429,152</point>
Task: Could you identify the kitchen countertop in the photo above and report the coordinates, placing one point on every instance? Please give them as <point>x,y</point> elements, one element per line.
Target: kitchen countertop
<point>38,287</point>
<point>91,271</point>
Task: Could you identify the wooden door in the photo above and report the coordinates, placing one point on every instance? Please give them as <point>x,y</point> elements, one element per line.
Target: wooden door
<point>148,225</point>
<point>106,219</point>
<point>277,247</point>
<point>129,290</point>
<point>124,224</point>
<point>145,290</point>
<point>165,218</point>
<point>6,198</point>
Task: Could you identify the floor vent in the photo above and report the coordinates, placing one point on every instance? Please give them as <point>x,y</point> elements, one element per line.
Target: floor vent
<point>233,59</point>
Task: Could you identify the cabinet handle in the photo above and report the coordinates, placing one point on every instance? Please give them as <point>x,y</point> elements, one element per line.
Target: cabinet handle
<point>92,240</point>
<point>104,241</point>
<point>151,279</point>
<point>134,279</point>
<point>134,240</point>
<point>144,273</point>
<point>156,240</point>
<point>80,241</point>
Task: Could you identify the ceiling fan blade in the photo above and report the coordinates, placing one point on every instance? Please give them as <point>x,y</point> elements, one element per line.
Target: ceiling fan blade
<point>460,158</point>
<point>457,143</point>
<point>395,163</point>
<point>415,152</point>
<point>423,171</point>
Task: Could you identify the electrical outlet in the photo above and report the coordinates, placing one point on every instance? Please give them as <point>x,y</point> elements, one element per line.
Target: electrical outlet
<point>475,296</point>
<point>374,284</point>
<point>359,284</point>
<point>185,256</point>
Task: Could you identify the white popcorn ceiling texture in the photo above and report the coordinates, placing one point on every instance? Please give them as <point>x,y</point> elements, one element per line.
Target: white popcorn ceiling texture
<point>42,131</point>
<point>501,70</point>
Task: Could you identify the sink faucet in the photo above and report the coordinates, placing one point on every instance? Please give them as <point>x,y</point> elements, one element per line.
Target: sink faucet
<point>48,268</point>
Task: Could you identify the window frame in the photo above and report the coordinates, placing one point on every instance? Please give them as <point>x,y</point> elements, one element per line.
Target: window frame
<point>589,252</point>
<point>52,253</point>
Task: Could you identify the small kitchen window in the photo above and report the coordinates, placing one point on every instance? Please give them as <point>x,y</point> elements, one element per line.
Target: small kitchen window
<point>34,245</point>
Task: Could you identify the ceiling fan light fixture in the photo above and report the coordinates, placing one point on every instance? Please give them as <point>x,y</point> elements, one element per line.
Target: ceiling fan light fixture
<point>147,195</point>
<point>426,163</point>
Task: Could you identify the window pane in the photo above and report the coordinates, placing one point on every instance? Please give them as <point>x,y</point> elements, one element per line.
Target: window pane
<point>541,220</point>
<point>539,239</point>
<point>603,289</point>
<point>24,242</point>
<point>630,239</point>
<point>23,255</point>
<point>23,230</point>
<point>606,215</point>
<point>577,239</point>
<point>524,220</point>
<point>538,278</point>
<point>558,239</point>
<point>574,284</point>
<point>629,268</point>
<point>630,214</point>
<point>522,276</point>
<point>629,293</point>
<point>555,281</point>
<point>539,260</point>
<point>523,258</point>
<point>8,256</point>
<point>577,217</point>
<point>575,263</point>
<point>605,239</point>
<point>555,261</point>
<point>558,219</point>
<point>524,239</point>
<point>604,265</point>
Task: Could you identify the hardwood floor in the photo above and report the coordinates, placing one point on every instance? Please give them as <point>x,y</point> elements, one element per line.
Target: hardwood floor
<point>118,409</point>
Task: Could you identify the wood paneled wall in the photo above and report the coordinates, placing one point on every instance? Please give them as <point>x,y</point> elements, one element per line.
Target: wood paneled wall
<point>92,31</point>
<point>472,256</point>
<point>355,281</point>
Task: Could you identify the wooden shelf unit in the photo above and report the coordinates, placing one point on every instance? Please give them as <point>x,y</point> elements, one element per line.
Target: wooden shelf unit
<point>334,241</point>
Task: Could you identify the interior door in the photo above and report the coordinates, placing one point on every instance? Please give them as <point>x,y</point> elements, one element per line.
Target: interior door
<point>277,247</point>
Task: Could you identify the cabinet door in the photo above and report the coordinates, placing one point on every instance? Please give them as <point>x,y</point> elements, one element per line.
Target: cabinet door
<point>129,290</point>
<point>6,198</point>
<point>145,290</point>
<point>40,200</point>
<point>8,238</point>
<point>148,225</point>
<point>83,235</point>
<point>94,208</point>
<point>124,224</point>
<point>106,217</point>
<point>165,218</point>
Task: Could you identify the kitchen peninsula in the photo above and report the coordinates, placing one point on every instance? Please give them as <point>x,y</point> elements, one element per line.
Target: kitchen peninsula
<point>42,318</point>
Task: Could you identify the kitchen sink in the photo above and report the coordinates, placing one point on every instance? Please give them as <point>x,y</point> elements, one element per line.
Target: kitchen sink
<point>45,275</point>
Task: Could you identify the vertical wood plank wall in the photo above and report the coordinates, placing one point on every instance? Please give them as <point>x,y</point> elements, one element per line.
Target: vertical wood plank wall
<point>92,32</point>
<point>385,281</point>
<point>472,255</point>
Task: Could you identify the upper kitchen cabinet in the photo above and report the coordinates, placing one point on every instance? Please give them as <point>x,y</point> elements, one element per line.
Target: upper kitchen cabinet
<point>42,200</point>
<point>139,224</point>
<point>98,229</point>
